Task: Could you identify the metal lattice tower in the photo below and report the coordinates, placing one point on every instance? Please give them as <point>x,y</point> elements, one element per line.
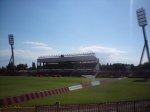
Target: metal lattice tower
<point>141,16</point>
<point>11,43</point>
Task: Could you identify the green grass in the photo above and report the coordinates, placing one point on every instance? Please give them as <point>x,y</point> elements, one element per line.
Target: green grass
<point>13,86</point>
<point>128,89</point>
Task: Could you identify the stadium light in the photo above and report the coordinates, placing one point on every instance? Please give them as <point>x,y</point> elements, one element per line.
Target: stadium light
<point>141,16</point>
<point>11,43</point>
<point>11,39</point>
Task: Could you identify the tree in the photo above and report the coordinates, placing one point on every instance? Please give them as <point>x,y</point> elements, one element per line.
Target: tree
<point>132,67</point>
<point>22,67</point>
<point>10,67</point>
<point>3,69</point>
<point>145,66</point>
<point>119,67</point>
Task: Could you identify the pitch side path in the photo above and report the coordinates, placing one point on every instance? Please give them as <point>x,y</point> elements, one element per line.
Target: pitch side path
<point>14,100</point>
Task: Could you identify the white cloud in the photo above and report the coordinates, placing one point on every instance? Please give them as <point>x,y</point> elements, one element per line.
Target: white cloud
<point>105,54</point>
<point>18,53</point>
<point>35,43</point>
<point>29,54</point>
<point>25,54</point>
<point>21,56</point>
<point>38,45</point>
<point>100,49</point>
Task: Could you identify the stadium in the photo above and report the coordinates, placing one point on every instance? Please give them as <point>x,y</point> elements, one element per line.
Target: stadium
<point>78,82</point>
<point>68,64</point>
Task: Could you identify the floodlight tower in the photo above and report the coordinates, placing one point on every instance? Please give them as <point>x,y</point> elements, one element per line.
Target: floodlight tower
<point>11,43</point>
<point>141,16</point>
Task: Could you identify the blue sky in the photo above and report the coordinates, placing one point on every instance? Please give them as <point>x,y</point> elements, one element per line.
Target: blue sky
<point>47,27</point>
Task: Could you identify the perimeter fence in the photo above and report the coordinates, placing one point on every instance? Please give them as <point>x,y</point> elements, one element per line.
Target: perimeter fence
<point>121,106</point>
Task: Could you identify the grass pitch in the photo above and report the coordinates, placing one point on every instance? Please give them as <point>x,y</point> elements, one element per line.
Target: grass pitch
<point>128,89</point>
<point>13,86</point>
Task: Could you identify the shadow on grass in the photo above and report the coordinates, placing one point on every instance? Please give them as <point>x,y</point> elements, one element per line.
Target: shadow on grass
<point>141,80</point>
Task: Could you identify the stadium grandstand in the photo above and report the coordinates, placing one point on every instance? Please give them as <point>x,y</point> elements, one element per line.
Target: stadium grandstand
<point>68,64</point>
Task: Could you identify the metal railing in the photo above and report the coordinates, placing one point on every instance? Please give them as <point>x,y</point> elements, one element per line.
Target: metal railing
<point>121,106</point>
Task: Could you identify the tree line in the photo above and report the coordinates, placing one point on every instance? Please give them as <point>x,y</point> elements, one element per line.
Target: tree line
<point>124,67</point>
<point>18,67</point>
<point>102,67</point>
<point>116,67</point>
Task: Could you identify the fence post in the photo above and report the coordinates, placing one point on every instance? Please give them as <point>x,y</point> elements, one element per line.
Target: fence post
<point>35,108</point>
<point>147,108</point>
<point>117,106</point>
<point>58,106</point>
<point>78,107</point>
<point>134,106</point>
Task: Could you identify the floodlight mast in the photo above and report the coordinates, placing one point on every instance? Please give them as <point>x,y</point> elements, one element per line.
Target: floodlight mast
<point>11,43</point>
<point>141,16</point>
